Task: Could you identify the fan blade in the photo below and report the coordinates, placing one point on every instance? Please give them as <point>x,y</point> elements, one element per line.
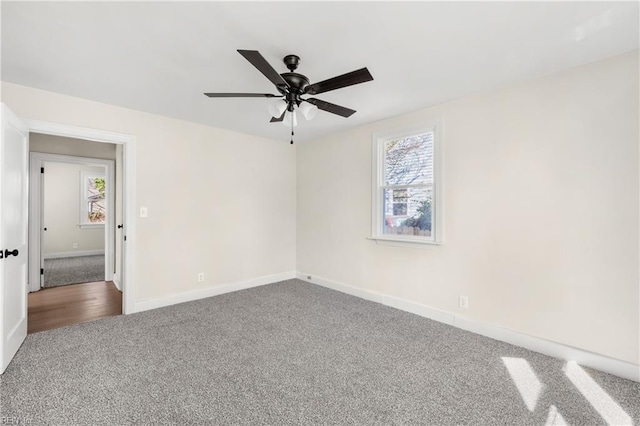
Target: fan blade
<point>258,61</point>
<point>279,119</point>
<point>241,95</point>
<point>332,108</point>
<point>344,80</point>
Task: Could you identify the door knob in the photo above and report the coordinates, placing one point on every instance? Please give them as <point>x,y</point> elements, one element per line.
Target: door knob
<point>8,253</point>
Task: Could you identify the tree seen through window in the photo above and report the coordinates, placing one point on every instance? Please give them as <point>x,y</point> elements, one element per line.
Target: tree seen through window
<point>96,200</point>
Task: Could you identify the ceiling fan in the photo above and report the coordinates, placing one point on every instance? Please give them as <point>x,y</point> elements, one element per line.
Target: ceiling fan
<point>292,86</point>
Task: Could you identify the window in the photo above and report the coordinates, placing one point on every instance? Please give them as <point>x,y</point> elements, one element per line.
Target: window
<point>93,202</point>
<point>407,186</point>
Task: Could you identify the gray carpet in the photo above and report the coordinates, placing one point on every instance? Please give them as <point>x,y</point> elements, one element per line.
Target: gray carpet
<point>73,270</point>
<point>291,353</point>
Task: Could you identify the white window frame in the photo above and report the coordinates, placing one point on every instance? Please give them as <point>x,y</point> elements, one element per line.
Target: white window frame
<point>379,139</point>
<point>84,210</point>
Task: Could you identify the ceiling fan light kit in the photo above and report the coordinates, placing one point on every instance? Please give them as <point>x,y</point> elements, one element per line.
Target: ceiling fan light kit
<point>292,86</point>
<point>308,111</point>
<point>277,107</point>
<point>290,119</point>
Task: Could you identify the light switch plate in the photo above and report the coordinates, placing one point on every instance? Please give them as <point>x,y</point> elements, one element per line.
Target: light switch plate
<point>144,212</point>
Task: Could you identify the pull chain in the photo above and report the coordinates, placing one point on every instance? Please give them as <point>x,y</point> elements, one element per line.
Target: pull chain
<point>292,128</point>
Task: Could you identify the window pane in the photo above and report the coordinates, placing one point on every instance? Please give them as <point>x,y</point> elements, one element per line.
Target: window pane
<point>410,213</point>
<point>409,160</point>
<point>399,209</point>
<point>400,195</point>
<point>96,202</point>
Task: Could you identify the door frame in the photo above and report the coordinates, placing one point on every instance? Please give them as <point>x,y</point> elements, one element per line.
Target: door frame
<point>128,143</point>
<point>36,207</point>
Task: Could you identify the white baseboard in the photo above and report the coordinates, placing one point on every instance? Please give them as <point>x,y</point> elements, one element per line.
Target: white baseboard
<point>116,281</point>
<point>202,293</point>
<point>73,254</point>
<point>604,363</point>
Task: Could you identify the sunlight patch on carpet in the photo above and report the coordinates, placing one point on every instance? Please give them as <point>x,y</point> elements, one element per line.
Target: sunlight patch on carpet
<point>610,411</point>
<point>554,418</point>
<point>525,380</point>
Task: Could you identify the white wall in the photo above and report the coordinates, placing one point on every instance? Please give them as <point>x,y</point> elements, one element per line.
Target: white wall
<point>219,202</point>
<point>541,210</point>
<point>62,211</point>
<point>69,146</point>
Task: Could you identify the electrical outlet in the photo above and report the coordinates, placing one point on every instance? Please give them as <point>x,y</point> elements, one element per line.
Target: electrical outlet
<point>463,302</point>
<point>144,212</point>
<point>201,277</point>
<point>75,245</point>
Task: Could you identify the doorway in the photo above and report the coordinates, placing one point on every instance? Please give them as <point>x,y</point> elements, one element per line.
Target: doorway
<point>76,200</point>
<point>73,204</point>
<point>78,270</point>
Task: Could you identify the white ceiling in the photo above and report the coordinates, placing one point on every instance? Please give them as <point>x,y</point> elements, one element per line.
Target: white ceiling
<point>160,57</point>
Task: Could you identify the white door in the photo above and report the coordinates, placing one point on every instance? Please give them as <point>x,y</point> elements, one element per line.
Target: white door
<point>14,154</point>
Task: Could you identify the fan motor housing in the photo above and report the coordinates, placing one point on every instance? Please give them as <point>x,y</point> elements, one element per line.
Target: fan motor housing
<point>297,82</point>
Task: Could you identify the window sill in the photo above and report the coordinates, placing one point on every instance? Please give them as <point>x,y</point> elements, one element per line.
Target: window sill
<point>404,242</point>
<point>91,225</point>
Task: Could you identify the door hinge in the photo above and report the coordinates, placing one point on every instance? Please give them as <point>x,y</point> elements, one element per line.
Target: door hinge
<point>41,271</point>
<point>41,169</point>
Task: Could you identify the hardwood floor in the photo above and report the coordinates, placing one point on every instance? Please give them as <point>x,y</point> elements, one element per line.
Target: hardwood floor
<point>72,304</point>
